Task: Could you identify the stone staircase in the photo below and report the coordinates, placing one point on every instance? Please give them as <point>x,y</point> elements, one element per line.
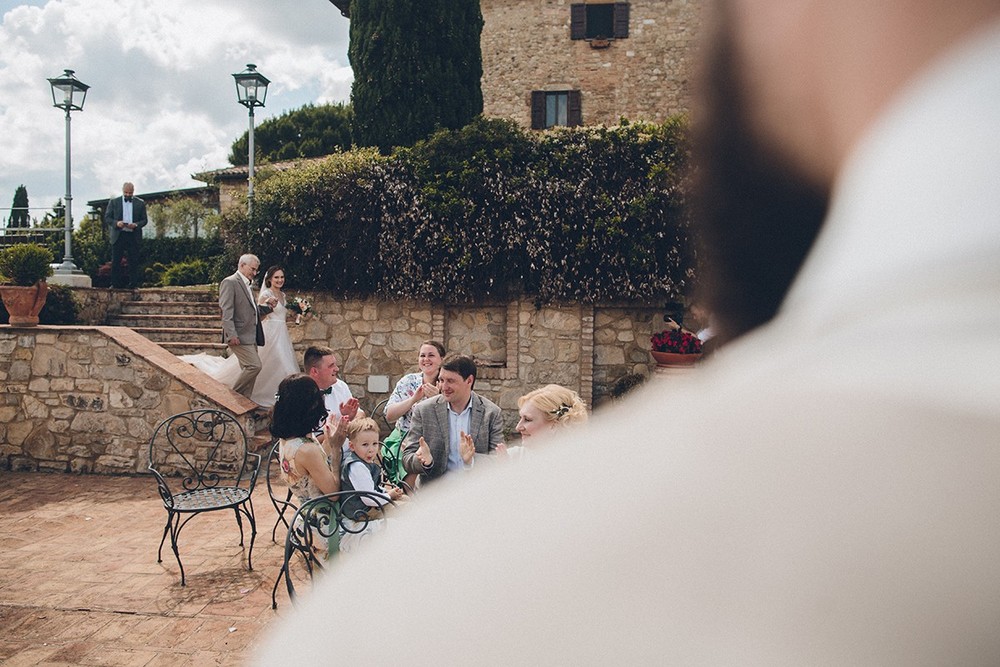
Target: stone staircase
<point>181,320</point>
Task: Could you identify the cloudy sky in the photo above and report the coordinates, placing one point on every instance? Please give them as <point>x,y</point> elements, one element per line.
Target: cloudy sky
<point>162,103</point>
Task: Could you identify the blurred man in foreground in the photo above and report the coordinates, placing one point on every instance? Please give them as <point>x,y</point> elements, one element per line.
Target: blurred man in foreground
<point>827,491</point>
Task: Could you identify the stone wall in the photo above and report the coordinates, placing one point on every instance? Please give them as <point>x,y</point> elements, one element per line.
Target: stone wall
<point>526,46</point>
<point>518,347</point>
<point>86,399</point>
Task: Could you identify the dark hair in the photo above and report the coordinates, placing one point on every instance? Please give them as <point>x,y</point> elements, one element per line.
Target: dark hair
<point>314,354</point>
<point>461,364</point>
<point>298,407</point>
<point>434,344</point>
<point>270,274</point>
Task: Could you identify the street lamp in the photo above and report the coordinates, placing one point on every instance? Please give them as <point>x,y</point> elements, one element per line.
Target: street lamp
<point>68,93</point>
<point>251,89</point>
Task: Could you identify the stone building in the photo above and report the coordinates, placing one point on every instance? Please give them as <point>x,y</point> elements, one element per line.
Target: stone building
<point>554,62</point>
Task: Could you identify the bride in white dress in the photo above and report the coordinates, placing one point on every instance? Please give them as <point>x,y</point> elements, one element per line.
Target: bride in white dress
<point>277,356</point>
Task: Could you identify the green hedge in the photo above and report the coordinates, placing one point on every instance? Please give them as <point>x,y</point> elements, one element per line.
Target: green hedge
<point>490,210</point>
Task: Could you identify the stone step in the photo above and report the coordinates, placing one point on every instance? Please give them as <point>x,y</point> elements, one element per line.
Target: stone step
<point>177,294</point>
<point>190,347</point>
<point>180,334</point>
<point>171,308</point>
<point>167,321</point>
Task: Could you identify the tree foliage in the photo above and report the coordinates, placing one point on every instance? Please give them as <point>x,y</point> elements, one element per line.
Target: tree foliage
<point>487,211</point>
<point>417,67</point>
<point>183,216</point>
<point>311,131</point>
<point>19,208</point>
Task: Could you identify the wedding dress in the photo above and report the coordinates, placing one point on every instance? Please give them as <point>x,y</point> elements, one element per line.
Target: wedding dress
<point>277,357</point>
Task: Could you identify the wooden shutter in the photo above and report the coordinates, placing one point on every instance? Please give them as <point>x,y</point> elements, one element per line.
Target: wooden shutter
<point>574,115</point>
<point>537,110</point>
<point>578,21</point>
<point>621,20</point>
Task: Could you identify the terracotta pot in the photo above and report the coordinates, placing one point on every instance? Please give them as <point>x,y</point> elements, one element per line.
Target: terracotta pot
<point>24,303</point>
<point>673,359</point>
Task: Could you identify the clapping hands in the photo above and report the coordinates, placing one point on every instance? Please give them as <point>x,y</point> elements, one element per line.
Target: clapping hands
<point>424,454</point>
<point>335,430</point>
<point>349,408</point>
<point>466,448</point>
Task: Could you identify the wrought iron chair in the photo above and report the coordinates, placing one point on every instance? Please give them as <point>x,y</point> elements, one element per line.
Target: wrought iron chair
<point>317,530</point>
<point>207,451</point>
<point>378,414</point>
<point>281,505</point>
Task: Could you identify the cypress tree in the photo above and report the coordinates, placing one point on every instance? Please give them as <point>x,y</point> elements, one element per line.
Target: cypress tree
<point>19,209</point>
<point>417,68</point>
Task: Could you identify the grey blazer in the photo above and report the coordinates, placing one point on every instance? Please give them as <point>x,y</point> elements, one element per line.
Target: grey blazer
<point>430,420</point>
<point>240,316</point>
<point>113,213</point>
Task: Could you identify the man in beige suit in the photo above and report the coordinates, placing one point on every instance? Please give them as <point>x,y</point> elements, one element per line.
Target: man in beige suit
<point>241,327</point>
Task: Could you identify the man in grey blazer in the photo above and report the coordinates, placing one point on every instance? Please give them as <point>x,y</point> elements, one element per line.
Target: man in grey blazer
<point>241,327</point>
<point>448,430</point>
<point>125,217</point>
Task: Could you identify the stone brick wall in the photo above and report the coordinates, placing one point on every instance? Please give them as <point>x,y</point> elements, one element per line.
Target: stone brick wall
<point>518,347</point>
<point>86,399</point>
<point>526,46</point>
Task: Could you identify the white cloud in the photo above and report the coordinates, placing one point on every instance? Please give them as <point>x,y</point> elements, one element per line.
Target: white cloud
<point>162,103</point>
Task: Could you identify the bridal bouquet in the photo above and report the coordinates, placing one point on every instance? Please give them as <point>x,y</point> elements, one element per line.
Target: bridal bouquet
<point>300,306</point>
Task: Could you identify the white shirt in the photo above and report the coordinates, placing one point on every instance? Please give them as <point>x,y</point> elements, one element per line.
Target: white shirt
<point>457,423</point>
<point>824,491</point>
<point>126,213</point>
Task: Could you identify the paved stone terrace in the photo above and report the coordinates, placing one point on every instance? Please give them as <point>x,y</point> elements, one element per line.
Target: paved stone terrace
<point>80,585</point>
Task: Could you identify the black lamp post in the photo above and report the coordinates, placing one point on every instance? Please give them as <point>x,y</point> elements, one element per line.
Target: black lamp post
<point>251,90</point>
<point>68,93</point>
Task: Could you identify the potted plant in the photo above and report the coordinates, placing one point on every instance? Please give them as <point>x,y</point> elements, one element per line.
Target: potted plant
<point>23,270</point>
<point>675,347</point>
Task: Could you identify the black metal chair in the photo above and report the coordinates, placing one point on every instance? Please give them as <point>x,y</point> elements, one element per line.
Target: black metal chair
<point>379,413</point>
<point>206,450</point>
<point>316,531</point>
<point>281,505</point>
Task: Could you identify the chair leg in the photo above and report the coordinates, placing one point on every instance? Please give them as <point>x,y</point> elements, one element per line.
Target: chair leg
<point>239,522</point>
<point>283,572</point>
<point>174,535</point>
<point>166,529</point>
<point>253,533</point>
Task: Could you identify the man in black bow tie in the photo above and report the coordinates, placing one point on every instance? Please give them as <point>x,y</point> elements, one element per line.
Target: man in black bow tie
<point>320,363</point>
<point>125,217</point>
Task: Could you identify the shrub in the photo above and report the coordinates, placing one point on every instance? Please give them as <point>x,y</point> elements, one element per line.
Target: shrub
<point>194,272</point>
<point>25,264</point>
<point>487,211</point>
<point>60,306</point>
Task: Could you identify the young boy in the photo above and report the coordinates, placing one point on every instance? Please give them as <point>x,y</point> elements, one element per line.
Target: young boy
<point>360,471</point>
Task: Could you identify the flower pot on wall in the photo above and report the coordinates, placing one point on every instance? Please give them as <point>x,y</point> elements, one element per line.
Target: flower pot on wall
<point>674,360</point>
<point>24,303</point>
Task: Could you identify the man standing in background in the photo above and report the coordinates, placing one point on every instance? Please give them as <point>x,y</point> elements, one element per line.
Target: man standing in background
<point>125,217</point>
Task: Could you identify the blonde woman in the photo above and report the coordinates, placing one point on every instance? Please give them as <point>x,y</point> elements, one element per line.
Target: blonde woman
<point>545,411</point>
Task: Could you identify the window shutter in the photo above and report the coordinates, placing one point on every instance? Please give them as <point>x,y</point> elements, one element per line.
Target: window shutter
<point>621,20</point>
<point>578,21</point>
<point>574,116</point>
<point>537,110</point>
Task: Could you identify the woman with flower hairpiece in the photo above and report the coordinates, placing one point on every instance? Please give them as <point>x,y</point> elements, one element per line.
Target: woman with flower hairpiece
<point>277,355</point>
<point>545,411</point>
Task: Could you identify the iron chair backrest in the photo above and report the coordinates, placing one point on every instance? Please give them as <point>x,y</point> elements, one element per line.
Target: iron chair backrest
<point>322,519</point>
<point>379,413</point>
<point>281,504</point>
<point>205,449</point>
